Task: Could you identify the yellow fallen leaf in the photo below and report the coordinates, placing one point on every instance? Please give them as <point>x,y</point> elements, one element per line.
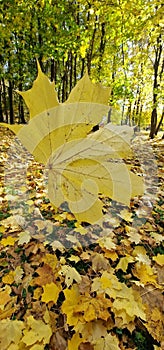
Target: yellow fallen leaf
<point>145,273</point>
<point>75,341</point>
<point>126,215</point>
<point>110,254</point>
<point>123,263</point>
<point>10,333</point>
<point>109,342</point>
<point>24,237</point>
<point>4,296</point>
<point>9,278</point>
<point>70,274</point>
<point>51,260</point>
<point>74,258</point>
<point>36,331</point>
<point>38,347</point>
<point>131,307</point>
<point>106,242</point>
<point>51,293</point>
<point>18,274</point>
<point>37,293</point>
<point>8,241</point>
<point>133,235</point>
<point>2,229</point>
<point>82,230</point>
<point>70,303</point>
<point>159,259</point>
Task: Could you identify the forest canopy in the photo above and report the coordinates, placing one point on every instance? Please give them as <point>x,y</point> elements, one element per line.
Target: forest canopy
<point>119,42</point>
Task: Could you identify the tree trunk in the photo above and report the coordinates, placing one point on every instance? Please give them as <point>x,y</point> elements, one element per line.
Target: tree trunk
<point>21,108</point>
<point>102,47</point>
<point>160,123</point>
<point>90,50</point>
<point>70,71</point>
<point>5,101</point>
<point>52,69</point>
<point>1,109</point>
<point>11,102</point>
<point>82,67</point>
<point>158,52</point>
<point>74,69</point>
<point>40,40</point>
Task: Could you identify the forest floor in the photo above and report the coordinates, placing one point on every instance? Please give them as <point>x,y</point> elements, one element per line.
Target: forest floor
<point>78,287</point>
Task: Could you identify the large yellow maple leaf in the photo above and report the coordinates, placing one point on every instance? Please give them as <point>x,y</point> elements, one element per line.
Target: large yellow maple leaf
<point>81,164</point>
<point>10,333</point>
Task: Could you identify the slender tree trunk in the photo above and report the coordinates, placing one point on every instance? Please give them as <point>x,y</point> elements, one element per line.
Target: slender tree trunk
<point>52,69</point>
<point>113,78</point>
<point>129,113</point>
<point>160,122</point>
<point>66,79</point>
<point>5,101</point>
<point>74,69</point>
<point>90,50</point>
<point>134,112</point>
<point>21,108</point>
<point>109,115</point>
<point>40,41</point>
<point>102,47</point>
<point>70,71</point>
<point>82,67</point>
<point>11,102</point>
<point>1,108</point>
<point>158,52</point>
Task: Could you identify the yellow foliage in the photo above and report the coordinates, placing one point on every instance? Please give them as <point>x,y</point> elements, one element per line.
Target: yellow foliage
<point>75,341</point>
<point>10,333</point>
<point>24,237</point>
<point>8,241</point>
<point>84,308</point>
<point>145,273</point>
<point>109,342</point>
<point>70,274</point>
<point>4,296</point>
<point>36,331</point>
<point>9,278</point>
<point>159,259</point>
<point>51,293</point>
<point>123,263</point>
<point>51,260</point>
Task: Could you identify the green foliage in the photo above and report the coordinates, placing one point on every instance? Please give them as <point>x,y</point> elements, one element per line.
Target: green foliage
<point>116,42</point>
<point>140,341</point>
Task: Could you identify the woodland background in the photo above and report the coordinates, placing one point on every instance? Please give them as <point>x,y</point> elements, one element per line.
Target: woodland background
<point>120,42</point>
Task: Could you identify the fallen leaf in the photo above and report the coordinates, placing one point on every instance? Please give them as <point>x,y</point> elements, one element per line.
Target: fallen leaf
<point>70,274</point>
<point>51,293</point>
<point>24,237</point>
<point>36,331</point>
<point>10,333</point>
<point>123,263</point>
<point>159,259</point>
<point>109,342</point>
<point>8,241</point>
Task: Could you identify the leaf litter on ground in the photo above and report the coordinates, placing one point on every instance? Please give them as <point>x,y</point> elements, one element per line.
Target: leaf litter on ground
<point>80,294</point>
<point>65,284</point>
